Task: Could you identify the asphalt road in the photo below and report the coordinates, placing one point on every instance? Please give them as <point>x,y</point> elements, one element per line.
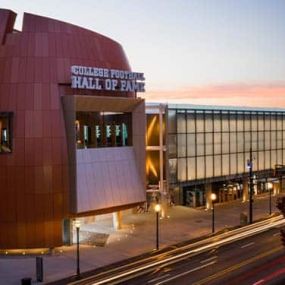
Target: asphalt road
<point>258,259</point>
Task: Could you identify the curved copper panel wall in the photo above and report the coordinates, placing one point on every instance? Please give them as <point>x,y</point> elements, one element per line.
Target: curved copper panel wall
<point>34,74</point>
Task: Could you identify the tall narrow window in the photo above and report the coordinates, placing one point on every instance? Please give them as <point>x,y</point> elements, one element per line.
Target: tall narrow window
<point>5,132</point>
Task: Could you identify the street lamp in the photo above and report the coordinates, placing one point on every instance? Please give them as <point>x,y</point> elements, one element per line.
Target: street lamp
<point>251,185</point>
<point>157,209</point>
<point>213,199</point>
<point>269,187</point>
<point>77,226</point>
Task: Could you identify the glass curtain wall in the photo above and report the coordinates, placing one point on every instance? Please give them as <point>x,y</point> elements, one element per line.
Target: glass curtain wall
<point>211,143</point>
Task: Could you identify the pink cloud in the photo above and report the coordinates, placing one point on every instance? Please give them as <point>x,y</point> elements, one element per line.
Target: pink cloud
<point>270,95</point>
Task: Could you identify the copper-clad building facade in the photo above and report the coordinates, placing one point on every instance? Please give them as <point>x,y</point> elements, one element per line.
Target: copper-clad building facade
<point>65,152</point>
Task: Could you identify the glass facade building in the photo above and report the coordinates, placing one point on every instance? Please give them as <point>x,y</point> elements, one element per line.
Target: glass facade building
<point>211,146</point>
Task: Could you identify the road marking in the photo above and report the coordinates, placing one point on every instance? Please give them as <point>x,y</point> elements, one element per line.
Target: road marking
<point>237,266</point>
<point>247,245</point>
<point>158,278</point>
<point>186,272</point>
<point>209,259</point>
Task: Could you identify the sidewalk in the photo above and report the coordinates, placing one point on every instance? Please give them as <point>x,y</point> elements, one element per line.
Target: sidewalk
<point>137,236</point>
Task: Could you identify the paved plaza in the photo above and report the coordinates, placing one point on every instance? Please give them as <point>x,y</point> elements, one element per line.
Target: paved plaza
<point>137,236</point>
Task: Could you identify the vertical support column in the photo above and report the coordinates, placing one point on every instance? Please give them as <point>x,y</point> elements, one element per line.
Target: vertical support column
<point>162,191</point>
<point>245,190</point>
<point>208,192</point>
<point>117,220</point>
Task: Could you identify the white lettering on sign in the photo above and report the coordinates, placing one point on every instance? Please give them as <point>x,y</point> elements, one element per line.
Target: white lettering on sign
<point>96,78</point>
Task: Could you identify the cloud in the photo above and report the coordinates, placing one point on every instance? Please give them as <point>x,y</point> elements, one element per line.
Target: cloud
<point>259,95</point>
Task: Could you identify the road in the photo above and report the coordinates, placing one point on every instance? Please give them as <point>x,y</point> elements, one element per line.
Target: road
<point>231,258</point>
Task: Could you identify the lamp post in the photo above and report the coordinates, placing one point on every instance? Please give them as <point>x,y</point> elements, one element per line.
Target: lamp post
<point>270,186</point>
<point>77,226</point>
<point>249,166</point>
<point>157,209</point>
<point>213,199</point>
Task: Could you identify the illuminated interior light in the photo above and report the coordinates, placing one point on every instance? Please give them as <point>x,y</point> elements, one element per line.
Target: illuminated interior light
<point>150,167</point>
<point>150,128</point>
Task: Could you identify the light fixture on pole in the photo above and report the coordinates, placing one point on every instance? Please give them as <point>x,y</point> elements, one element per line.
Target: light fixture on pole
<point>157,209</point>
<point>77,226</point>
<point>251,185</point>
<point>269,187</point>
<point>213,199</point>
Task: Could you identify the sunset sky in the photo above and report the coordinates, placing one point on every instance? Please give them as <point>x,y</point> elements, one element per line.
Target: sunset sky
<point>214,52</point>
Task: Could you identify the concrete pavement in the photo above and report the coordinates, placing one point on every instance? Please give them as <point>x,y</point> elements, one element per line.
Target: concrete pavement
<point>137,236</point>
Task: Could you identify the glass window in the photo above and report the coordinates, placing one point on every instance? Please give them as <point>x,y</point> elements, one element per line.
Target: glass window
<point>279,139</point>
<point>181,169</point>
<point>200,167</point>
<point>253,121</point>
<point>267,140</point>
<point>217,122</point>
<point>200,144</point>
<point>209,143</point>
<point>199,122</point>
<point>247,141</point>
<point>273,158</point>
<point>254,164</point>
<point>191,166</point>
<point>233,163</point>
<point>260,140</point>
<point>273,122</point>
<point>240,142</point>
<point>261,160</point>
<point>181,122</point>
<point>241,163</point>
<point>226,165</point>
<point>217,143</point>
<point>172,170</point>
<point>261,122</point>
<point>267,159</point>
<point>217,165</point>
<point>254,142</point>
<point>279,122</point>
<point>240,122</point>
<point>273,140</point>
<point>190,122</point>
<point>208,122</point>
<point>172,121</point>
<point>5,132</point>
<point>181,145</point>
<point>279,156</point>
<point>267,123</point>
<point>105,129</point>
<point>233,142</point>
<point>232,122</point>
<point>225,123</point>
<point>225,142</point>
<point>191,144</point>
<point>209,166</point>
<point>247,122</point>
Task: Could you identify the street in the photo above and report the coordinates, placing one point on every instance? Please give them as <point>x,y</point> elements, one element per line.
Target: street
<point>243,256</point>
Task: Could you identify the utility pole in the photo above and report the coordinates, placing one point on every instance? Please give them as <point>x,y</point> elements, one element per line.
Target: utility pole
<point>250,185</point>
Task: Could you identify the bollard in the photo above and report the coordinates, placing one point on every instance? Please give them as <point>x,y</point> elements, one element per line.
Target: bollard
<point>39,269</point>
